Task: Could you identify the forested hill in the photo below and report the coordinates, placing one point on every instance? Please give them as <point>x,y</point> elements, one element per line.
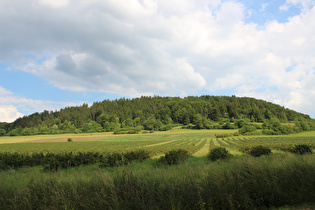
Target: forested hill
<point>152,113</point>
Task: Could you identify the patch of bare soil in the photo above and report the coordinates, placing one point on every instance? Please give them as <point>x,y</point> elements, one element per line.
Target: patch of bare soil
<point>173,136</point>
<point>73,139</point>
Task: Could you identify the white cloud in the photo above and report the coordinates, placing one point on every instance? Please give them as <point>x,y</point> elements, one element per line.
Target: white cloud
<point>13,106</point>
<point>54,3</point>
<point>9,113</point>
<point>263,7</point>
<point>4,92</point>
<point>146,47</point>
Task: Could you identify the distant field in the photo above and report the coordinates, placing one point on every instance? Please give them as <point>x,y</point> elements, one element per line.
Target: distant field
<point>196,141</point>
<point>156,143</point>
<point>64,137</point>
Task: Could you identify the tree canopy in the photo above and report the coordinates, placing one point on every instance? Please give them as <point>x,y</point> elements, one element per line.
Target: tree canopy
<point>154,113</point>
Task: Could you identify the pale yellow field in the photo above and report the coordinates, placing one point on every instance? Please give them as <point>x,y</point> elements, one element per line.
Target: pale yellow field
<point>20,139</point>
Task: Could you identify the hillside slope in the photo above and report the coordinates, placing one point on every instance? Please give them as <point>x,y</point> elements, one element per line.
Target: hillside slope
<point>152,113</point>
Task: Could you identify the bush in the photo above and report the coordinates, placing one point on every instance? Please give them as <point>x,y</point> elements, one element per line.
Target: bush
<point>259,151</point>
<point>174,157</point>
<point>115,159</point>
<point>247,129</point>
<point>128,130</point>
<point>219,153</point>
<point>302,149</point>
<point>119,159</point>
<point>69,139</point>
<point>138,155</point>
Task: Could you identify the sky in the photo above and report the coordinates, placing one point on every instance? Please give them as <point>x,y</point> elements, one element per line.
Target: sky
<point>55,54</point>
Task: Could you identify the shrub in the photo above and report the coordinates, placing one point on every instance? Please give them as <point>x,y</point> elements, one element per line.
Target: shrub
<point>174,157</point>
<point>302,149</point>
<point>138,155</point>
<point>115,159</point>
<point>259,151</point>
<point>219,153</point>
<point>247,129</point>
<point>119,159</point>
<point>52,164</point>
<point>69,139</point>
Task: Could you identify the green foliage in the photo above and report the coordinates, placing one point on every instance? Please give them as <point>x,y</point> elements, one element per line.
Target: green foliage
<point>219,153</point>
<point>92,127</point>
<point>242,183</point>
<point>69,140</point>
<point>225,135</point>
<point>54,162</point>
<point>273,126</point>
<point>2,132</point>
<point>241,122</point>
<point>247,129</point>
<point>18,160</point>
<point>119,159</point>
<point>157,113</point>
<point>132,130</point>
<point>174,157</point>
<point>112,160</point>
<point>302,149</point>
<point>228,125</point>
<point>259,151</point>
<point>138,155</point>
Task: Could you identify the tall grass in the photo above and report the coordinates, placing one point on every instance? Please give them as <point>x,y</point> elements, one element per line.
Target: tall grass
<point>240,183</point>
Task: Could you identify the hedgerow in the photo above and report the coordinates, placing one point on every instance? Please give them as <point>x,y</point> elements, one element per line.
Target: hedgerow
<point>119,159</point>
<point>302,149</point>
<point>54,162</point>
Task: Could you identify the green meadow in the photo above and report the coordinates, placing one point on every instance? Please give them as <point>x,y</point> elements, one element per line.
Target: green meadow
<point>280,180</point>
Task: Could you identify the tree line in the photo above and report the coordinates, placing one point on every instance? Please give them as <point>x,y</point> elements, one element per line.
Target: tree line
<point>158,113</point>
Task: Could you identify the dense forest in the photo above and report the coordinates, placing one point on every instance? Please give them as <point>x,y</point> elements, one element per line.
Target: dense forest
<point>162,113</point>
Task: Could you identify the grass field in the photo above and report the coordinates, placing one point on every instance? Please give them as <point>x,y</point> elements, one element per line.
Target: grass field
<point>157,143</point>
<point>243,182</point>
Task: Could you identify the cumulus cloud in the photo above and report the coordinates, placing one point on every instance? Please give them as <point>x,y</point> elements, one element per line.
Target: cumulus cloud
<point>146,47</point>
<point>9,113</point>
<point>13,106</point>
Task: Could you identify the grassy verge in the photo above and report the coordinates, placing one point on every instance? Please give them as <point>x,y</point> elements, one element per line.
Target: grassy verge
<point>240,183</point>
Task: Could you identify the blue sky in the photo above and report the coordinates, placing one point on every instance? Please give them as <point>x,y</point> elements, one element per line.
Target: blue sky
<point>62,53</point>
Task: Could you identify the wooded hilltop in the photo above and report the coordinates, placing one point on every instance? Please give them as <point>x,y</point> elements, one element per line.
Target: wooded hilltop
<point>123,115</point>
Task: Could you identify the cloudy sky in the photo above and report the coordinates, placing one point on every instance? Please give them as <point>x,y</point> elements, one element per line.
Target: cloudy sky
<point>68,52</point>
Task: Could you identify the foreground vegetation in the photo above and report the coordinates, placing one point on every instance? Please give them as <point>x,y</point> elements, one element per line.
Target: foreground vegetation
<point>239,183</point>
<point>178,169</point>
